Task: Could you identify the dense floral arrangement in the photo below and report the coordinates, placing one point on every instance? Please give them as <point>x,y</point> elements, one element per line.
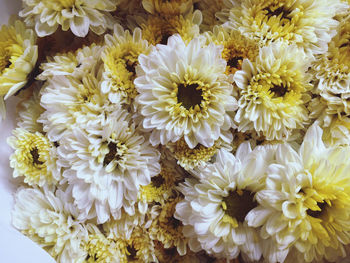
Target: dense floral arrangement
<point>181,130</point>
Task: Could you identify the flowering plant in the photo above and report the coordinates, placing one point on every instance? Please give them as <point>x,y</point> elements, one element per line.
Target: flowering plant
<point>181,130</point>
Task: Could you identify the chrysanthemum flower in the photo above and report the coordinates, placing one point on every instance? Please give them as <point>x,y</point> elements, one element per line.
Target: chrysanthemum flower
<point>273,92</point>
<point>166,229</point>
<point>209,9</point>
<point>120,58</point>
<point>305,207</point>
<point>157,29</point>
<point>308,24</point>
<point>34,158</point>
<point>106,164</point>
<point>18,57</point>
<point>167,8</point>
<point>236,47</point>
<point>215,208</point>
<point>183,92</point>
<point>48,219</point>
<point>78,16</point>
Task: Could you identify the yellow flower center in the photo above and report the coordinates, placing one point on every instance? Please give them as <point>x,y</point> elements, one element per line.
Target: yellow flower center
<point>98,249</point>
<point>237,205</point>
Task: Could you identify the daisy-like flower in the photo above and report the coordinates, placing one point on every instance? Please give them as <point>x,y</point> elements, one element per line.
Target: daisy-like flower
<point>190,158</point>
<point>29,111</point>
<point>215,208</point>
<point>106,164</point>
<point>305,207</point>
<point>308,24</point>
<point>48,219</point>
<point>236,47</point>
<point>34,158</point>
<point>120,58</point>
<point>273,92</point>
<point>78,16</point>
<point>166,229</point>
<point>156,29</point>
<point>183,92</point>
<point>332,70</point>
<point>18,56</point>
<point>167,8</point>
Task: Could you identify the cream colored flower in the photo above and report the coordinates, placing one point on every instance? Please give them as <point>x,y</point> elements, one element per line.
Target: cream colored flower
<point>34,158</point>
<point>307,23</point>
<point>120,57</point>
<point>48,219</point>
<point>18,57</point>
<point>305,208</point>
<point>107,162</point>
<point>273,92</point>
<point>215,208</point>
<point>183,92</point>
<point>156,29</point>
<point>167,8</point>
<point>78,16</point>
<point>209,8</point>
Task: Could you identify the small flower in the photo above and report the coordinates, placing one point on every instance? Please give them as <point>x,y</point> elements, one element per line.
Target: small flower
<point>34,158</point>
<point>183,92</point>
<point>78,16</point>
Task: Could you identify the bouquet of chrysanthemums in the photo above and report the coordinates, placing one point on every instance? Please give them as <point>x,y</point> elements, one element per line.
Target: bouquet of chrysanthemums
<point>181,130</point>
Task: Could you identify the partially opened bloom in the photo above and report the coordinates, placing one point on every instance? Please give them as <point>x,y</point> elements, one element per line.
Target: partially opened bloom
<point>183,92</point>
<point>305,207</point>
<point>78,16</point>
<point>18,57</point>
<point>215,208</point>
<point>274,90</point>
<point>107,162</point>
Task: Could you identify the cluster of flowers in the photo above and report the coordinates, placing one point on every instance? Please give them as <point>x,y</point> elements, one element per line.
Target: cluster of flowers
<point>181,130</point>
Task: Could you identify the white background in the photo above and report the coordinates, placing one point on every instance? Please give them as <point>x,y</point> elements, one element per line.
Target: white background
<point>14,247</point>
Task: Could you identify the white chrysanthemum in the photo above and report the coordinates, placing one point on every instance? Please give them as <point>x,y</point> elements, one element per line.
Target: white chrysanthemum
<point>273,92</point>
<point>78,16</point>
<point>120,58</point>
<point>307,23</point>
<point>305,207</point>
<point>34,158</point>
<point>106,164</point>
<point>29,111</point>
<point>183,92</point>
<point>78,63</point>
<point>156,29</point>
<point>48,219</point>
<point>70,100</point>
<point>18,57</point>
<point>215,209</point>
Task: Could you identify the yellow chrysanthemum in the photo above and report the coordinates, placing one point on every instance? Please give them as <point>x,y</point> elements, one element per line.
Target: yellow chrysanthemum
<point>164,8</point>
<point>273,92</point>
<point>18,56</point>
<point>120,59</point>
<point>34,158</point>
<point>167,229</point>
<point>157,29</point>
<point>76,15</point>
<point>306,23</point>
<point>236,47</point>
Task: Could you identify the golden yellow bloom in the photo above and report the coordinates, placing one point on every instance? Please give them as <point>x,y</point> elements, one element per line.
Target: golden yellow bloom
<point>34,158</point>
<point>164,8</point>
<point>18,56</point>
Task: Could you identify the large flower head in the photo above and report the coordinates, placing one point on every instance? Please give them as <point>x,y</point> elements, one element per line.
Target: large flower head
<point>273,92</point>
<point>183,92</point>
<point>305,207</point>
<point>215,208</point>
<point>77,15</point>
<point>106,164</point>
<point>120,58</point>
<point>49,219</point>
<point>306,23</point>
<point>34,158</point>
<point>18,57</point>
